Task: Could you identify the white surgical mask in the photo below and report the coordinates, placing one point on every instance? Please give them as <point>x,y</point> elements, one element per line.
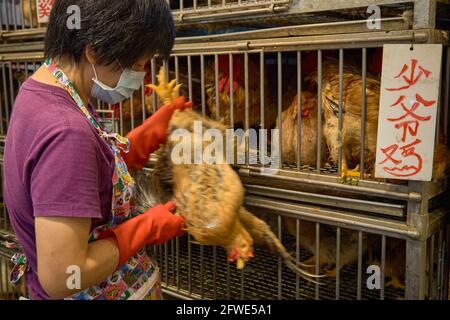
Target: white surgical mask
<point>129,82</point>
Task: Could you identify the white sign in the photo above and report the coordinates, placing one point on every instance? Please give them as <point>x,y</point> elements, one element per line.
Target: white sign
<point>44,7</point>
<point>408,111</point>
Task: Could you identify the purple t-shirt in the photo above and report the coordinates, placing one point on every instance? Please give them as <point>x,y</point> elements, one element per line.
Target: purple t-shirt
<point>55,165</point>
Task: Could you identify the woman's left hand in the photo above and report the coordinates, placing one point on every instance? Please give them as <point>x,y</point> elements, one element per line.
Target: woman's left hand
<point>147,138</point>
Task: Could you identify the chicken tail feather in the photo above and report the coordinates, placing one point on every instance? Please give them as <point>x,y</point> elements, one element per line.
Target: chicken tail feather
<point>261,234</point>
<point>146,197</point>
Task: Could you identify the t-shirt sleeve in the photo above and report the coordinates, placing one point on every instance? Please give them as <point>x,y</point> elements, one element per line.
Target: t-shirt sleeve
<point>64,181</point>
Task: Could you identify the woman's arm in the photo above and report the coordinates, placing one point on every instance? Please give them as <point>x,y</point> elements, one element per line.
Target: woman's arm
<point>64,242</point>
<point>147,138</point>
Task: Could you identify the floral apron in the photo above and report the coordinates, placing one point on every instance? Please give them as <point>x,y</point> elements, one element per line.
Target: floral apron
<point>139,278</point>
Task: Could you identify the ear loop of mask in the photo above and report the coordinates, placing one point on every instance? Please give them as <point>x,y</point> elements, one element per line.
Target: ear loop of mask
<point>120,65</point>
<point>95,71</point>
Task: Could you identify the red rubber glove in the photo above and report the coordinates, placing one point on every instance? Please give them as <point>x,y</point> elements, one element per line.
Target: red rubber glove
<point>147,138</point>
<point>156,226</point>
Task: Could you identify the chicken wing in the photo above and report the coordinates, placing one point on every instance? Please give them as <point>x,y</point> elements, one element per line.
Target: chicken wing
<point>351,118</point>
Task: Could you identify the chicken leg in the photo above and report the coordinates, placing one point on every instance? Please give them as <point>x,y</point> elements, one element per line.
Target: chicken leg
<point>261,234</point>
<point>395,283</point>
<point>166,92</point>
<point>323,266</point>
<point>351,173</point>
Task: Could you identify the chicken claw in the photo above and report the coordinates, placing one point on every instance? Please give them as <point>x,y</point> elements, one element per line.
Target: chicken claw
<point>395,283</point>
<point>331,273</point>
<point>344,170</point>
<point>356,173</point>
<point>166,92</point>
<point>240,264</point>
<point>352,173</point>
<point>311,261</point>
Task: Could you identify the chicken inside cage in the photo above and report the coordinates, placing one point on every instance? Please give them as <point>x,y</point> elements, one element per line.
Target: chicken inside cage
<point>269,91</point>
<point>275,89</point>
<point>355,247</point>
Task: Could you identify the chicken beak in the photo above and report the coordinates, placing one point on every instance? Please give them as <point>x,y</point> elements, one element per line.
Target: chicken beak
<point>240,264</point>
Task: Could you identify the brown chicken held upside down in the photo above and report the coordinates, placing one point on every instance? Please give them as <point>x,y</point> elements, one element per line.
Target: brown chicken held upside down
<point>209,196</point>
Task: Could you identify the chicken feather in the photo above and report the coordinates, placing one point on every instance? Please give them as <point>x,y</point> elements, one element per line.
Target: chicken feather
<point>351,115</point>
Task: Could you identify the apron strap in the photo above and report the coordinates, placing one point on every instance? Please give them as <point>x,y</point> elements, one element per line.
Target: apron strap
<point>21,267</point>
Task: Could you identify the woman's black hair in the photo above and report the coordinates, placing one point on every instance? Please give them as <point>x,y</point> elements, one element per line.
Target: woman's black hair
<point>124,30</point>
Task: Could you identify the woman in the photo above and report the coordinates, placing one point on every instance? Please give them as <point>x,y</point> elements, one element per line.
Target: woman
<point>67,186</point>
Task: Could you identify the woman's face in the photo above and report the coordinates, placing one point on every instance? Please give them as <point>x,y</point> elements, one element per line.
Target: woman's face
<point>110,74</point>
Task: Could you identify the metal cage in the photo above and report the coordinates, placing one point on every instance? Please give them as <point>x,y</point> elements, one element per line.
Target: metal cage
<point>19,22</point>
<point>7,250</point>
<point>191,271</point>
<point>410,215</point>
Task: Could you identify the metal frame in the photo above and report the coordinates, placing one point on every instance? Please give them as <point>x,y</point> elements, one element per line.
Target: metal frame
<point>197,282</point>
<point>262,46</point>
<point>198,12</point>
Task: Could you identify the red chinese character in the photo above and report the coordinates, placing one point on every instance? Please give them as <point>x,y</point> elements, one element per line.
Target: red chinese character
<point>45,7</point>
<point>389,153</point>
<point>413,77</point>
<point>407,152</point>
<point>410,112</point>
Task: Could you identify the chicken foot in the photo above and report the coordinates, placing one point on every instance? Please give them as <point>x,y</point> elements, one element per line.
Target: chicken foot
<point>395,283</point>
<point>166,92</point>
<point>328,272</point>
<point>351,173</point>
